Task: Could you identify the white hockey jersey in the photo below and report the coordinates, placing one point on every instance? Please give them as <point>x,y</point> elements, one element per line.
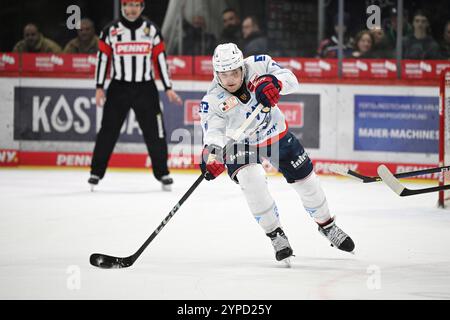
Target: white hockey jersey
<point>222,113</point>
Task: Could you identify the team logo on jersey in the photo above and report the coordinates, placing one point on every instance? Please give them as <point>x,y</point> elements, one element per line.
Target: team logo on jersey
<point>146,33</point>
<point>244,97</point>
<point>135,48</point>
<point>230,103</point>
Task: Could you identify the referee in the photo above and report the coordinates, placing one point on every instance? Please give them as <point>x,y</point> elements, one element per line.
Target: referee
<point>133,45</point>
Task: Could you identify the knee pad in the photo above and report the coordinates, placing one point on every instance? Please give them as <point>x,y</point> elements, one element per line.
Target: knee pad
<point>252,179</point>
<point>313,198</point>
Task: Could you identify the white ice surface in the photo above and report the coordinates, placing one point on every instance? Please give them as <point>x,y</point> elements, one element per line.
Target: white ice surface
<point>212,248</point>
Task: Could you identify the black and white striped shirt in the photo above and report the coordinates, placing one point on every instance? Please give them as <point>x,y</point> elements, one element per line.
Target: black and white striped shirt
<point>133,49</point>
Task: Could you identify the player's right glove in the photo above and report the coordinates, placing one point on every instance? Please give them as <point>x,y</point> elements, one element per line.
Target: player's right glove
<point>212,162</point>
<point>267,91</point>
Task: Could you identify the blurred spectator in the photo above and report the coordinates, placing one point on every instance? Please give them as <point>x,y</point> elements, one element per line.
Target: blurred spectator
<point>390,27</point>
<point>34,42</point>
<point>364,42</point>
<point>420,45</point>
<point>445,44</point>
<point>255,42</point>
<point>328,48</point>
<point>381,48</point>
<point>180,10</point>
<point>231,31</point>
<point>86,42</point>
<point>196,40</point>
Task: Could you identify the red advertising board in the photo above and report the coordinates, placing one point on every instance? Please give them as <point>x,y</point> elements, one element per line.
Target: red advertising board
<point>369,68</point>
<point>200,67</point>
<point>326,68</point>
<point>59,63</point>
<point>310,68</point>
<point>423,69</point>
<point>180,65</point>
<point>14,158</point>
<point>203,66</point>
<point>9,62</point>
<point>293,113</point>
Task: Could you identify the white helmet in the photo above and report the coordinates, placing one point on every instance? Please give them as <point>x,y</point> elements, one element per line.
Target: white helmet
<point>227,57</point>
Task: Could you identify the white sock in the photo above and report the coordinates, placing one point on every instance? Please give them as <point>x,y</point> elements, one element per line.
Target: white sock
<point>313,198</point>
<point>252,179</point>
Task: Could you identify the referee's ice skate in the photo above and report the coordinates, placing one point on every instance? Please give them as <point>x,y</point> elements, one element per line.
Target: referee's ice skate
<point>166,182</point>
<point>93,181</point>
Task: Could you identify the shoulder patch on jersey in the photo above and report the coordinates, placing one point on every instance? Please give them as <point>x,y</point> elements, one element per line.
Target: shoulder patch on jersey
<point>260,57</point>
<point>230,103</point>
<point>204,107</point>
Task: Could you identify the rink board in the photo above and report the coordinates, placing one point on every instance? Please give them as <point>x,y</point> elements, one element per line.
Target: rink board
<point>44,119</point>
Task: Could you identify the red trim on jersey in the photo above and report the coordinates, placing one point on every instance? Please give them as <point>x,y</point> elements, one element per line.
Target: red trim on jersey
<point>103,47</point>
<point>155,53</point>
<point>274,139</point>
<point>157,50</point>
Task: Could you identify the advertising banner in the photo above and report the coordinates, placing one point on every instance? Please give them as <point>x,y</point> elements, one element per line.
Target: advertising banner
<point>63,114</point>
<point>423,69</point>
<point>396,123</point>
<point>310,68</point>
<point>67,114</point>
<point>180,65</point>
<point>369,69</point>
<point>63,63</point>
<point>9,62</point>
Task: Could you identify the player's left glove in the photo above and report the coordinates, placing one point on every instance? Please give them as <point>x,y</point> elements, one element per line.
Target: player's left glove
<point>267,91</point>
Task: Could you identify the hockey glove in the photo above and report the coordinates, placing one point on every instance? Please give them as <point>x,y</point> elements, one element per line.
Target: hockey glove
<point>267,91</point>
<point>212,162</point>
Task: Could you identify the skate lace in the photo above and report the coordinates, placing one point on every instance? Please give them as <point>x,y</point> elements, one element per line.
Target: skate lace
<point>336,235</point>
<point>280,242</point>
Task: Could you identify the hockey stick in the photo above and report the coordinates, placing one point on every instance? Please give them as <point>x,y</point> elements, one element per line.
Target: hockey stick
<point>393,183</point>
<point>339,169</point>
<point>110,262</point>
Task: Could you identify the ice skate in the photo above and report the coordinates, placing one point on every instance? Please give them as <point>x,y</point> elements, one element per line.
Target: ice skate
<point>337,237</point>
<point>283,250</point>
<point>93,181</point>
<point>166,182</point>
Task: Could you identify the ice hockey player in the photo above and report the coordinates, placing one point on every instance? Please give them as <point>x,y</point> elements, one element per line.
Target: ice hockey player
<point>238,87</point>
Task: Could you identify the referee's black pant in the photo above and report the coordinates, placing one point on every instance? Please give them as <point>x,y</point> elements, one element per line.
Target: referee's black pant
<point>143,97</point>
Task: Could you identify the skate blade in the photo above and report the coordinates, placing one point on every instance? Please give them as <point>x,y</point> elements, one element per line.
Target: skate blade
<point>167,188</point>
<point>287,262</point>
<point>351,252</point>
<point>92,186</point>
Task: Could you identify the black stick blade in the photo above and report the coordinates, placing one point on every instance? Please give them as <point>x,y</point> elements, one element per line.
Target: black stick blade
<point>108,262</point>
